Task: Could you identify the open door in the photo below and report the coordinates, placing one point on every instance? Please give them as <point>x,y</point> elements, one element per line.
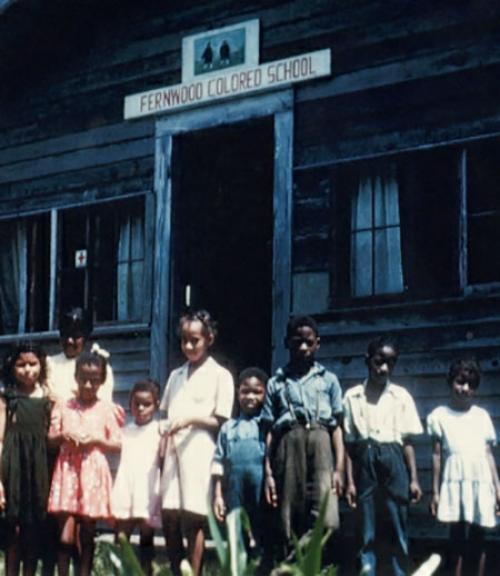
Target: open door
<point>222,237</point>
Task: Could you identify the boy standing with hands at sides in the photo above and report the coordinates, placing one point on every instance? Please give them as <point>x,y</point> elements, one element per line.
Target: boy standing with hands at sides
<point>379,420</point>
<point>238,464</point>
<point>305,450</point>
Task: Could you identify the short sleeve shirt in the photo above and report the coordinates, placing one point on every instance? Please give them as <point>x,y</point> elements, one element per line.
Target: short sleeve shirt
<point>392,419</point>
<point>208,391</point>
<point>315,397</point>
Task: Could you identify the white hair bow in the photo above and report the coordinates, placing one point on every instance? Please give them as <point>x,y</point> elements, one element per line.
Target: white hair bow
<point>96,349</point>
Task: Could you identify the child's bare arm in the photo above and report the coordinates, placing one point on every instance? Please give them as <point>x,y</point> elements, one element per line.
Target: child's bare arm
<point>338,478</point>
<point>162,450</point>
<point>219,504</point>
<point>350,492</point>
<point>211,423</point>
<point>494,474</point>
<point>436,474</point>
<point>409,455</point>
<point>106,444</point>
<point>270,484</point>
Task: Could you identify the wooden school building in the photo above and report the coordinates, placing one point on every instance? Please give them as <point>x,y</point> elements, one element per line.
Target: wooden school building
<point>260,158</point>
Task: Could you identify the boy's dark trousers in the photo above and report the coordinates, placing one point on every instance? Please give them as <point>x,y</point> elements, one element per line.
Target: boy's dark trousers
<point>303,467</point>
<point>381,476</point>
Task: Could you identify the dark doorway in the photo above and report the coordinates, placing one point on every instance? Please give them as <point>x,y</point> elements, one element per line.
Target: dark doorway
<point>222,215</point>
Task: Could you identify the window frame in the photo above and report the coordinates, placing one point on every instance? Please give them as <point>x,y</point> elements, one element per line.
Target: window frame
<point>470,288</point>
<point>464,288</point>
<point>54,279</point>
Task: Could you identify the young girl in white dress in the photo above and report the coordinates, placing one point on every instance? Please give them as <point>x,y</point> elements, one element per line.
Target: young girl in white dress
<point>465,484</point>
<point>135,499</point>
<point>198,398</point>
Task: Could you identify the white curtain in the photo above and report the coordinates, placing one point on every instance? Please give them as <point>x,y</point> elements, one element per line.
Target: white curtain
<point>14,276</point>
<point>376,263</point>
<point>130,269</point>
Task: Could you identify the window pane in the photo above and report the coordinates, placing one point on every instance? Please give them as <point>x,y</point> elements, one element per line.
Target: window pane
<point>484,236</point>
<point>104,241</point>
<point>12,255</point>
<point>483,177</point>
<point>38,269</point>
<point>130,273</point>
<point>388,266</point>
<point>362,205</point>
<point>361,264</point>
<point>386,198</point>
<point>111,284</point>
<point>74,230</point>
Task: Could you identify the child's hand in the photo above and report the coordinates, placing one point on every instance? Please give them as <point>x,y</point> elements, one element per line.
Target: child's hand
<point>71,438</point>
<point>351,494</point>
<point>119,414</point>
<point>219,508</point>
<point>338,483</point>
<point>270,491</point>
<point>2,497</point>
<point>434,504</point>
<point>176,425</point>
<point>415,492</point>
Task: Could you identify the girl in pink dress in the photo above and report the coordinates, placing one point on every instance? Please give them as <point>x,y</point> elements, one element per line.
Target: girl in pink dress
<point>85,429</point>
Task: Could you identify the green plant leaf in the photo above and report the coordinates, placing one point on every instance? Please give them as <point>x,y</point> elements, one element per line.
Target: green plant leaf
<point>222,552</point>
<point>311,565</point>
<point>130,563</point>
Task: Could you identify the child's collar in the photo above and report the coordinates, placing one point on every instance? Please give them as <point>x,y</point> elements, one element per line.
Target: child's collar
<point>286,371</point>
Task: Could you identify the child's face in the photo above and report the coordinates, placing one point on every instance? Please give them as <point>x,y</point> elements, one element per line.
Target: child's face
<point>381,365</point>
<point>462,392</point>
<point>72,343</point>
<point>143,407</point>
<point>195,341</point>
<point>251,393</point>
<point>27,369</point>
<point>89,380</point>
<point>302,345</point>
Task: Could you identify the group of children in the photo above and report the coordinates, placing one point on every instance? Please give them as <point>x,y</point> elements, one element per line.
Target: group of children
<point>296,441</point>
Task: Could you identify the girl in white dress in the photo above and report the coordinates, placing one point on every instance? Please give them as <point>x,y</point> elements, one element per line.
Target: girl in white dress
<point>135,499</point>
<point>465,484</point>
<point>198,398</point>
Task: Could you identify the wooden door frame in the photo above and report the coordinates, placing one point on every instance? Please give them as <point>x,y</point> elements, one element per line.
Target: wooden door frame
<point>279,105</point>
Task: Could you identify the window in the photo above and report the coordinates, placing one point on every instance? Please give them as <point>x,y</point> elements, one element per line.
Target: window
<point>483,212</point>
<point>98,262</point>
<point>395,228</point>
<point>111,283</point>
<point>24,261</point>
<point>375,234</point>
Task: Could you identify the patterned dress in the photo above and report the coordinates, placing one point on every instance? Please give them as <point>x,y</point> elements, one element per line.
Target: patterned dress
<point>82,483</point>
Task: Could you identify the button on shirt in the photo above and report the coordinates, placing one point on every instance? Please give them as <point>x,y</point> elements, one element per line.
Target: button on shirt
<point>315,398</point>
<point>391,419</point>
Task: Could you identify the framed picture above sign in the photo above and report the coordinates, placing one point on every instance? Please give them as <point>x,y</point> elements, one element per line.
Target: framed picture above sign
<point>216,50</point>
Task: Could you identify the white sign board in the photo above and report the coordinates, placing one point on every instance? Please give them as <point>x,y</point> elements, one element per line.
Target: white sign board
<point>229,84</point>
<point>232,47</point>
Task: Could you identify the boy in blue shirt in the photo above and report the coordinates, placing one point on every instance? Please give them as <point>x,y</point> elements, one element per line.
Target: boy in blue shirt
<point>305,450</point>
<point>238,465</point>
